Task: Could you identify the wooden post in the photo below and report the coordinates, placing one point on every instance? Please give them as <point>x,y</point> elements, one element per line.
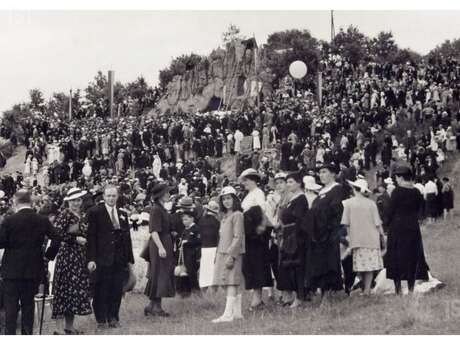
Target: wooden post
<point>70,105</point>
<point>111,77</point>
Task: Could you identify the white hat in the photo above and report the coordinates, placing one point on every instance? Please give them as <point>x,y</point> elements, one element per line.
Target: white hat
<point>74,193</point>
<point>310,183</point>
<point>361,184</point>
<point>280,175</point>
<point>227,190</point>
<point>249,172</point>
<point>388,180</point>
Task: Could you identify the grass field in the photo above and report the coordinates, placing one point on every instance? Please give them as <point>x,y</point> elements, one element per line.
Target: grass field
<point>434,313</point>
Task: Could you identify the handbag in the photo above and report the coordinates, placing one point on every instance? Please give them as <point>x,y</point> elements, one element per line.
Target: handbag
<point>180,270</point>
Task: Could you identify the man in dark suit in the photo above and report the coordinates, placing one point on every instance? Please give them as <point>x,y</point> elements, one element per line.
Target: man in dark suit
<point>110,255</point>
<point>22,236</point>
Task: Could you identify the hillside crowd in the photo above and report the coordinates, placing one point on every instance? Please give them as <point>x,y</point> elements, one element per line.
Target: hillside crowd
<point>323,197</point>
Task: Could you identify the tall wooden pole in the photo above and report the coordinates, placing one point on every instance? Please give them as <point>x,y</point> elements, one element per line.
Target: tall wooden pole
<point>256,50</point>
<point>332,27</point>
<point>70,104</point>
<point>111,77</point>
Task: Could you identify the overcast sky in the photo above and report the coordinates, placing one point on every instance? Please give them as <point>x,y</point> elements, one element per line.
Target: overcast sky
<point>56,51</point>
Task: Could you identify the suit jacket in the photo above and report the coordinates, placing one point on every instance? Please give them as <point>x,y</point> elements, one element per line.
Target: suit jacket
<point>22,235</point>
<point>101,242</point>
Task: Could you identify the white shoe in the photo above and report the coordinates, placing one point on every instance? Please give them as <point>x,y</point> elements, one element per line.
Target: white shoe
<point>228,313</point>
<point>237,314</point>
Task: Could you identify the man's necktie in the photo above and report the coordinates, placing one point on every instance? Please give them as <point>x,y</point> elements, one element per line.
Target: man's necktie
<point>115,222</point>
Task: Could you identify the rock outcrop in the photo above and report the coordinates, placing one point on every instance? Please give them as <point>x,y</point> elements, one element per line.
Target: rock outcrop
<point>227,79</point>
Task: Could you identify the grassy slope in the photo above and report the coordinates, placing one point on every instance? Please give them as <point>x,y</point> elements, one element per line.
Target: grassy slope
<point>420,314</point>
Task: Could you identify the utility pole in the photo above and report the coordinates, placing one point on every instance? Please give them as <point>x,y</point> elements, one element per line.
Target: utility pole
<point>111,77</point>
<point>70,104</point>
<point>332,27</point>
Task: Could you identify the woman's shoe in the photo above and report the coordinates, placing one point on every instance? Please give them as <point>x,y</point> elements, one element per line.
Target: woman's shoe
<point>148,311</point>
<point>257,307</point>
<point>161,313</point>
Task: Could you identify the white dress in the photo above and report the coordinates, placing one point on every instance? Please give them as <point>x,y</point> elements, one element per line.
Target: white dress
<point>238,138</point>
<point>256,140</point>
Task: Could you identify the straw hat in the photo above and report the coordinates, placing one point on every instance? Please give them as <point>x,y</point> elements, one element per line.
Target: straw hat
<point>360,184</point>
<point>74,193</point>
<point>310,183</point>
<point>248,173</point>
<point>280,176</point>
<point>212,207</point>
<point>227,190</point>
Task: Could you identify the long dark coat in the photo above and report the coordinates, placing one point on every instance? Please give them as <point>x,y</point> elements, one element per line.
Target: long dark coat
<point>323,268</point>
<point>160,270</point>
<point>405,257</point>
<point>256,261</point>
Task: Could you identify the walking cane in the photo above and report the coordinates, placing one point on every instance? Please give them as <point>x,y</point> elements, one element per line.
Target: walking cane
<point>43,302</point>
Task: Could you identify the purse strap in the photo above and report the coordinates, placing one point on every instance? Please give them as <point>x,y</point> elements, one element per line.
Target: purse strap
<point>181,255</point>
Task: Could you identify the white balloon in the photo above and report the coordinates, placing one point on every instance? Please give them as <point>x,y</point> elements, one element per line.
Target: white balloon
<point>298,69</point>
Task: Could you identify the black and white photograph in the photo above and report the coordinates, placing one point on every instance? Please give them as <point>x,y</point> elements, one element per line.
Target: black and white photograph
<point>229,172</point>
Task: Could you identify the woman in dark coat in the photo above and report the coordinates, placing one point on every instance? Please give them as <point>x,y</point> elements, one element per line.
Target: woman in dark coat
<point>323,268</point>
<point>405,258</point>
<point>256,261</point>
<point>159,254</point>
<point>292,249</point>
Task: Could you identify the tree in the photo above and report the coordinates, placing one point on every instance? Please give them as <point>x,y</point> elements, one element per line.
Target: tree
<point>96,91</point>
<point>383,48</point>
<point>448,49</point>
<point>58,104</point>
<point>352,44</point>
<point>406,55</point>
<point>232,34</point>
<point>37,102</point>
<point>284,47</point>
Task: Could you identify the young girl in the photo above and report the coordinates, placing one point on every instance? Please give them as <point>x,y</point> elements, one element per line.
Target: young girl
<point>228,269</point>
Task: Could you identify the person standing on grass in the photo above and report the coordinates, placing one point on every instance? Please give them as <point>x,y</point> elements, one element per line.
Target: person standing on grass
<point>405,258</point>
<point>71,278</point>
<point>229,258</point>
<point>447,198</point>
<point>323,256</point>
<point>292,251</point>
<point>364,228</point>
<point>209,228</point>
<point>159,254</point>
<point>22,236</point>
<point>110,256</point>
<point>256,261</point>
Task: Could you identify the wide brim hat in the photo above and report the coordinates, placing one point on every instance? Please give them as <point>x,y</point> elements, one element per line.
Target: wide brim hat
<point>280,176</point>
<point>227,191</point>
<point>74,193</point>
<point>360,184</point>
<point>186,203</point>
<point>212,206</point>
<point>159,190</point>
<point>250,173</point>
<point>310,183</point>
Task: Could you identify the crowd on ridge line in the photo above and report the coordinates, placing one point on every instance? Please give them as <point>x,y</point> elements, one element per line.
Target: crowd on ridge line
<point>328,148</point>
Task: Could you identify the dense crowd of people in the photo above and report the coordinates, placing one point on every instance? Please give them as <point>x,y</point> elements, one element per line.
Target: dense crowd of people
<point>327,190</point>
